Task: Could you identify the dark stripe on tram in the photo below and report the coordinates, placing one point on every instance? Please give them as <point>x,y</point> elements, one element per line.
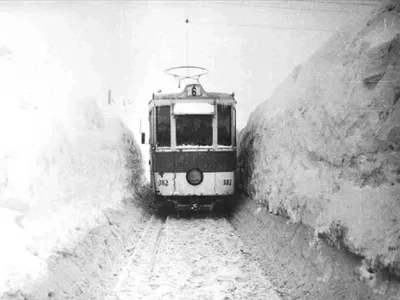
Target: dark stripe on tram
<point>169,162</point>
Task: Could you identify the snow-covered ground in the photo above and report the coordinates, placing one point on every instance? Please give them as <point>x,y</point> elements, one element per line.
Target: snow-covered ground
<point>89,268</point>
<point>301,265</point>
<point>192,259</point>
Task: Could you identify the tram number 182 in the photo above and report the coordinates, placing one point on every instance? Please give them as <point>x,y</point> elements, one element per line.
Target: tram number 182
<point>227,182</point>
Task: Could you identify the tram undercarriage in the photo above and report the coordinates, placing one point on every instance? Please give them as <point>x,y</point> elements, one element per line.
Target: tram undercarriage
<point>195,203</point>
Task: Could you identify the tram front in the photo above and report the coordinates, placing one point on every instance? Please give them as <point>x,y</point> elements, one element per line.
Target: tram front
<point>193,147</point>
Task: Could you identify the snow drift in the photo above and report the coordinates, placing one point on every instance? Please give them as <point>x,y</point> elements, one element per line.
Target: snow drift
<point>59,172</point>
<point>65,154</point>
<point>324,149</point>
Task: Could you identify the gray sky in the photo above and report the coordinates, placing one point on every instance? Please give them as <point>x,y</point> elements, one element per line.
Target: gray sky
<point>82,49</point>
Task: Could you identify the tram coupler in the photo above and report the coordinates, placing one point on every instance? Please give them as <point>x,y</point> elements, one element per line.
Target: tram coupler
<point>194,203</point>
<point>191,203</point>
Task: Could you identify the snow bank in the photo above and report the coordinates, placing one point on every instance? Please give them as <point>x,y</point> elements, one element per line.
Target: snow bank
<point>59,170</point>
<point>65,154</point>
<point>64,157</point>
<point>302,266</point>
<point>324,149</point>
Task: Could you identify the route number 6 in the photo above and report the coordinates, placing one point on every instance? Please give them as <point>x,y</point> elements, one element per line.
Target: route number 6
<point>194,91</point>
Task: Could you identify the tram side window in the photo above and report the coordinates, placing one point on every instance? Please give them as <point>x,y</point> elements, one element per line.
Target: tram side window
<point>224,125</point>
<point>151,127</point>
<point>163,126</point>
<point>234,130</point>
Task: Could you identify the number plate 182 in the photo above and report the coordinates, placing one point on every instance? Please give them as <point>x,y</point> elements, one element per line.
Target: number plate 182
<point>227,182</point>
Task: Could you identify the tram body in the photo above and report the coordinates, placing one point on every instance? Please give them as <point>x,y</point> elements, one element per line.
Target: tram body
<point>193,147</point>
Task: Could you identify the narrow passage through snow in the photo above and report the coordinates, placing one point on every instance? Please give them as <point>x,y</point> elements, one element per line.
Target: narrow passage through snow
<point>187,259</point>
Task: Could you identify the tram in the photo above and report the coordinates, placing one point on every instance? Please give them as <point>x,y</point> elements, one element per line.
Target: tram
<point>193,147</point>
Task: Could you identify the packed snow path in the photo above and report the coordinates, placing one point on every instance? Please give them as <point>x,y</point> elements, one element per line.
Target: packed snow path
<point>191,259</point>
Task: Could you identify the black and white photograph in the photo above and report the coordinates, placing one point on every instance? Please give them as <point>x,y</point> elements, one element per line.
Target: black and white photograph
<point>200,150</point>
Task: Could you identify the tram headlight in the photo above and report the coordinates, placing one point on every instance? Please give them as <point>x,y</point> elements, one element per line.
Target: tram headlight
<point>194,177</point>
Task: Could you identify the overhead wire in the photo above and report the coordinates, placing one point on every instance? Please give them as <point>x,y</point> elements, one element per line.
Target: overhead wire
<point>311,10</point>
<point>265,26</point>
<point>355,3</point>
<point>187,41</point>
<point>258,4</point>
<point>187,37</point>
<point>280,7</point>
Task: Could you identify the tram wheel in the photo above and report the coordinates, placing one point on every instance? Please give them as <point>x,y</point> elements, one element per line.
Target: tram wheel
<point>186,213</point>
<point>223,207</point>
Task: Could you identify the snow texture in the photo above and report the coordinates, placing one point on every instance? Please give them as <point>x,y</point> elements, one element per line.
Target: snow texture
<point>324,149</point>
<point>59,172</point>
<point>303,266</point>
<point>89,269</point>
<point>192,259</point>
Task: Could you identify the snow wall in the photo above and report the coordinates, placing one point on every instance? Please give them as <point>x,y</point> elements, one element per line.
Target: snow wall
<point>324,149</point>
<point>61,167</point>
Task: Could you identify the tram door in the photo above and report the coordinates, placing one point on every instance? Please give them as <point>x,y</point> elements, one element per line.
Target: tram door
<point>160,128</point>
<point>152,149</point>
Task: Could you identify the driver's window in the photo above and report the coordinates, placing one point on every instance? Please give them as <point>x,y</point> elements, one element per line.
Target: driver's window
<point>163,126</point>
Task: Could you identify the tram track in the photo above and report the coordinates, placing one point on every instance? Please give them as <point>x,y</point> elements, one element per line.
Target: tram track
<point>135,277</point>
<point>196,258</point>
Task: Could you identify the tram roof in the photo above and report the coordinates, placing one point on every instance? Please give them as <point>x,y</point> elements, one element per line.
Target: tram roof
<point>186,93</point>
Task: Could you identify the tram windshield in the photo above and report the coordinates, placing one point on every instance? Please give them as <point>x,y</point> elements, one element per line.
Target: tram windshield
<point>224,125</point>
<point>194,130</point>
<point>163,126</point>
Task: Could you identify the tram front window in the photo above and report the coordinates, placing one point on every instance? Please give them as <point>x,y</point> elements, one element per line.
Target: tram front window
<point>224,125</point>
<point>194,130</point>
<point>163,126</point>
